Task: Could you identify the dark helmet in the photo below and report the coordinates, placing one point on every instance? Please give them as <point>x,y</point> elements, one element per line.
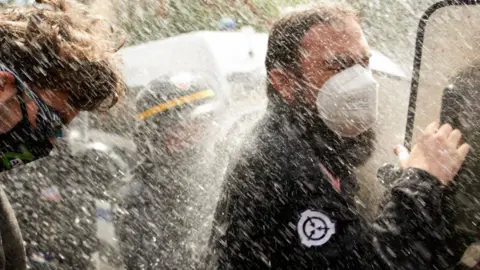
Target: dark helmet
<point>178,92</point>
<point>169,105</point>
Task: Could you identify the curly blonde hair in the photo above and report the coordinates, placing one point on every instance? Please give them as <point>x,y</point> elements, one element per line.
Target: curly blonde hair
<point>59,45</point>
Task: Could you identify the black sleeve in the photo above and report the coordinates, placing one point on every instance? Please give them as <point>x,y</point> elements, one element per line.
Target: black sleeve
<point>410,224</point>
<point>235,242</point>
<point>13,256</point>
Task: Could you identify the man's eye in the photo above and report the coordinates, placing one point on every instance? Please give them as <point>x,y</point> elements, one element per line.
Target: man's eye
<point>365,61</point>
<point>341,64</point>
<point>337,67</point>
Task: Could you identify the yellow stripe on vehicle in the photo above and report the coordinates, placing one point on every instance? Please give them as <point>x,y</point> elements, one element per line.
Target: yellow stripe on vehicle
<point>172,103</point>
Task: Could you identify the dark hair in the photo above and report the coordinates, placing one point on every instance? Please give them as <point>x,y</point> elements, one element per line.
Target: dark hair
<point>288,32</point>
<point>461,100</point>
<point>61,46</point>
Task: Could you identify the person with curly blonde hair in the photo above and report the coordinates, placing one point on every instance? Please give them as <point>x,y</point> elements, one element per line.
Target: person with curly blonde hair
<point>56,59</point>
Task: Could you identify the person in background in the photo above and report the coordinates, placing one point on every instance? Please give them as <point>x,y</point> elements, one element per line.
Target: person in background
<point>288,199</point>
<point>56,60</point>
<point>167,203</point>
<point>461,107</point>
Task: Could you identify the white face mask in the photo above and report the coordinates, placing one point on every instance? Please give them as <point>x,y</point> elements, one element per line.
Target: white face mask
<point>348,102</point>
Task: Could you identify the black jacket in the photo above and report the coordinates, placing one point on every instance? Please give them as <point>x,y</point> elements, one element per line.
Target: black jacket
<point>160,225</point>
<point>460,104</point>
<point>279,209</point>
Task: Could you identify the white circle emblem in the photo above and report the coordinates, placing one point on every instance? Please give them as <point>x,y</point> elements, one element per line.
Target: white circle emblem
<point>315,228</point>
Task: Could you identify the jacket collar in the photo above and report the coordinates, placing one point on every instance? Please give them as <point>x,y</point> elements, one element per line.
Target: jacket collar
<point>337,153</point>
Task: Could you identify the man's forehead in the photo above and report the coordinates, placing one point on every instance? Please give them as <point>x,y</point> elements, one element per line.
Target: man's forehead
<point>327,40</point>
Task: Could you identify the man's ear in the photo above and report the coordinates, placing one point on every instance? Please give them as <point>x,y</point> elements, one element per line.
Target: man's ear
<point>59,100</point>
<point>7,86</point>
<point>283,81</point>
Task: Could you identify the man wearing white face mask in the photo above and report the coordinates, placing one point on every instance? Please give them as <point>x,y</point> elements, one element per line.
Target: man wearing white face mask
<point>288,200</point>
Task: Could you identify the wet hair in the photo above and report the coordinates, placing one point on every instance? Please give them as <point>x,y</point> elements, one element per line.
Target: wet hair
<point>287,33</point>
<point>59,45</point>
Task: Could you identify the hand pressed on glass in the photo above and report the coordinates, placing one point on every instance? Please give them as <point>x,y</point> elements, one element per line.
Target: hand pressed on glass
<point>438,152</point>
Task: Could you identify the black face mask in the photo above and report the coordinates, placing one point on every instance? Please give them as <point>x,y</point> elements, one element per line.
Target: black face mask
<point>24,143</point>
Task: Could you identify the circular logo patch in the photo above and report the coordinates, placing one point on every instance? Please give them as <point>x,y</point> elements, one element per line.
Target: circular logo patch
<point>315,228</point>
